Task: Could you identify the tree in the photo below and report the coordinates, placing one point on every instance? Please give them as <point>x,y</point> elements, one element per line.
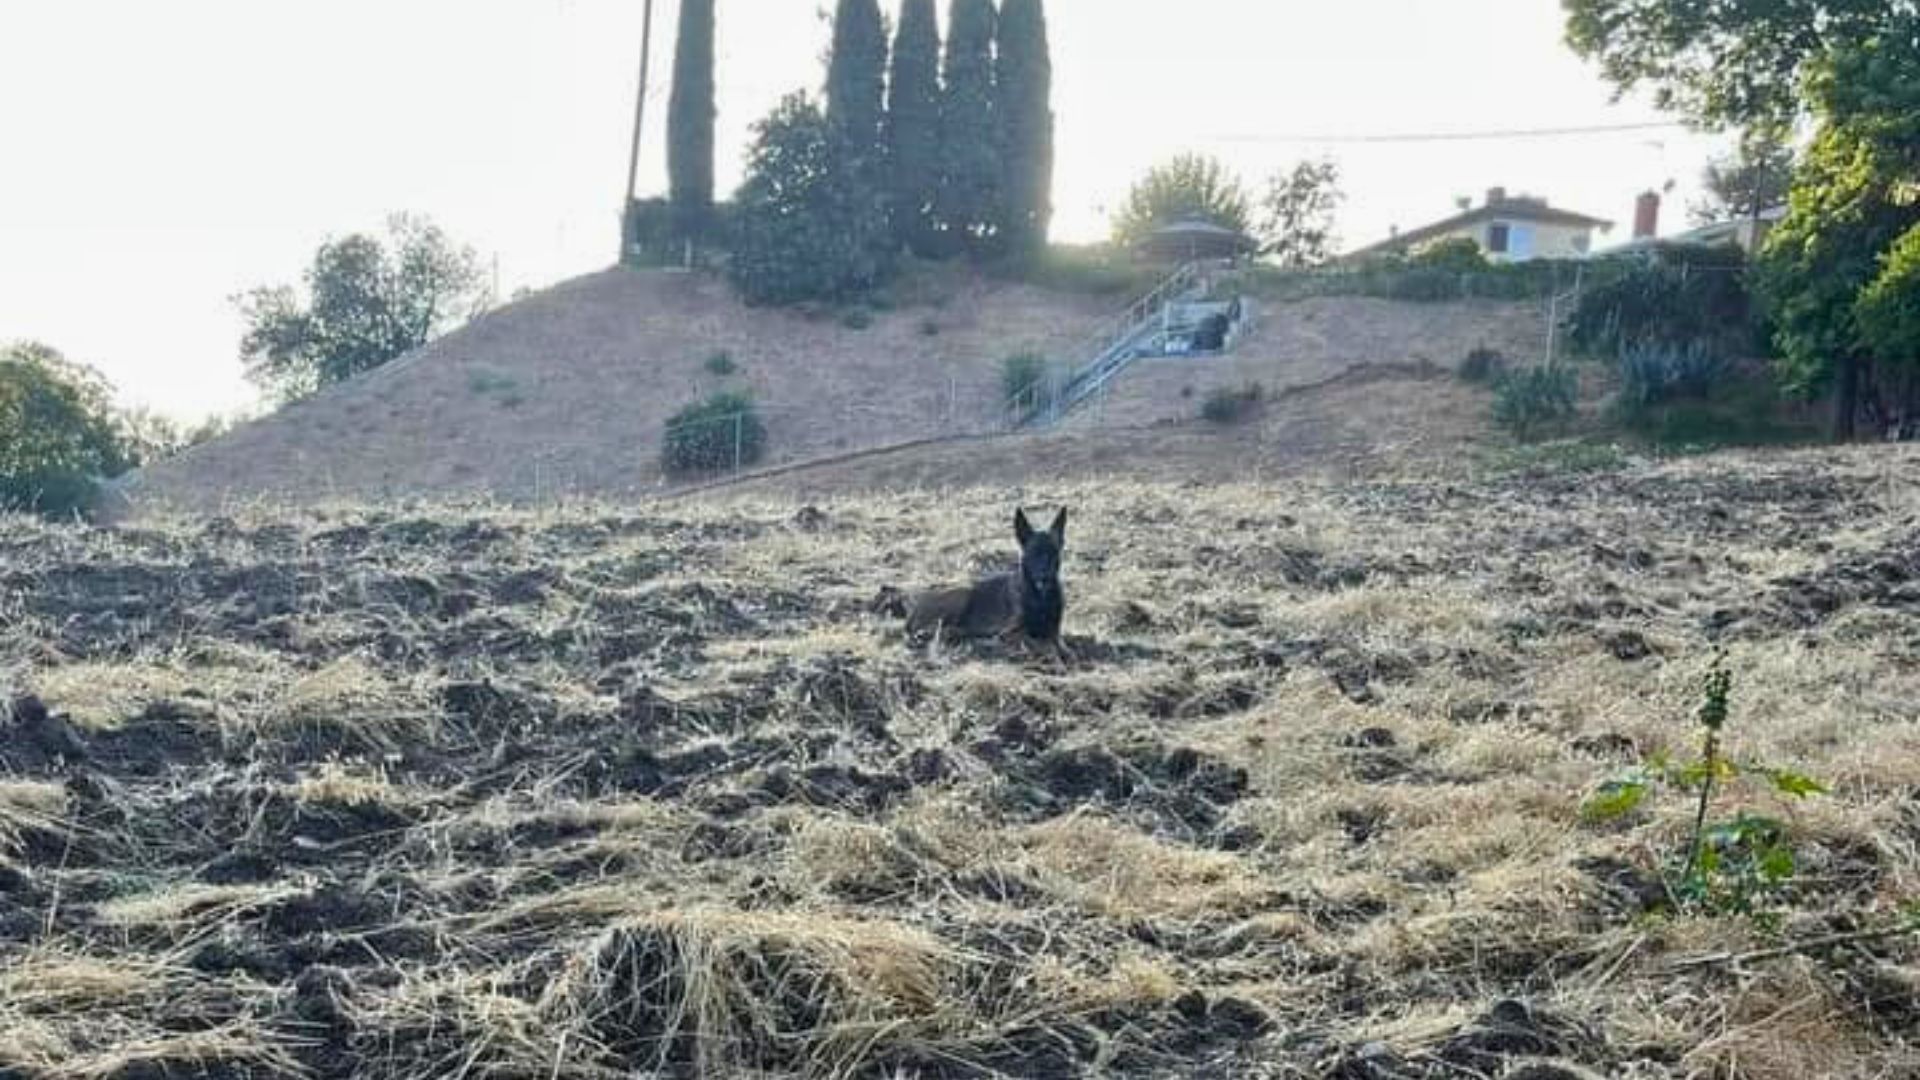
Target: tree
<point>968,208</point>
<point>1888,315</point>
<point>59,433</point>
<point>690,117</point>
<point>1298,228</point>
<point>1755,178</point>
<point>1853,199</point>
<point>913,127</point>
<point>803,234</point>
<point>857,80</point>
<point>367,303</point>
<point>1025,88</point>
<point>1724,63</point>
<point>1190,187</point>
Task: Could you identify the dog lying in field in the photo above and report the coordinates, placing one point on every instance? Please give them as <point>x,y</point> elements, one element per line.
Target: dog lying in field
<point>1028,602</point>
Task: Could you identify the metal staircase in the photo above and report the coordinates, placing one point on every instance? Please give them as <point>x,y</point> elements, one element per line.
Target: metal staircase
<point>1117,344</point>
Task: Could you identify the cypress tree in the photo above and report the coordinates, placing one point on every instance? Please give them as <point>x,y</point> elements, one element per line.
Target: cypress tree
<point>1025,89</point>
<point>857,79</point>
<point>690,114</point>
<point>970,175</point>
<point>913,126</point>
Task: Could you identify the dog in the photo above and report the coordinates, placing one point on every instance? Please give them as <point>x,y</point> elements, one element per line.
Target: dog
<point>1027,603</point>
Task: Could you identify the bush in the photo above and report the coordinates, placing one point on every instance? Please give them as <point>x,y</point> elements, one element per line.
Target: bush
<point>1456,255</point>
<point>1095,269</point>
<point>1483,365</point>
<point>1026,382</point>
<point>1677,295</point>
<point>857,319</point>
<point>1656,372</point>
<point>721,364</point>
<point>722,432</point>
<point>59,434</point>
<point>1531,400</point>
<point>1227,405</point>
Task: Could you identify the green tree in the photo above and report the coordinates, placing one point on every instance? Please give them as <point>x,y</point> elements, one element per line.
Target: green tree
<point>1025,89</point>
<point>367,302</point>
<point>1735,62</point>
<point>690,117</point>
<point>969,205</point>
<point>1297,230</point>
<point>1190,187</point>
<point>857,80</point>
<point>803,234</point>
<point>1754,178</point>
<point>59,433</point>
<point>913,127</point>
<point>1854,197</point>
<point>1888,314</point>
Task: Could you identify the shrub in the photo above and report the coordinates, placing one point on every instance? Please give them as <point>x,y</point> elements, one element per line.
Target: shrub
<point>1530,400</point>
<point>721,364</point>
<point>856,318</point>
<point>722,432</point>
<point>1227,405</point>
<point>1678,294</point>
<point>1654,372</point>
<point>1483,365</point>
<point>929,328</point>
<point>1455,254</point>
<point>1026,380</point>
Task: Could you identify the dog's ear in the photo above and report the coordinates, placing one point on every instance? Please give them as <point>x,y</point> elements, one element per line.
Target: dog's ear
<point>1022,528</point>
<point>1059,528</point>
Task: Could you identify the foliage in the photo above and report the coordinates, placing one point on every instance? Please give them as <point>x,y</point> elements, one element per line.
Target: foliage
<point>721,363</point>
<point>1730,865</point>
<point>856,85</point>
<point>1191,187</point>
<point>1674,295</point>
<point>723,432</point>
<point>367,302</point>
<point>1887,311</point>
<point>1455,255</point>
<point>1228,405</point>
<point>1095,269</point>
<point>1024,84</point>
<point>1754,178</point>
<point>1297,229</point>
<point>913,128</point>
<point>969,206</point>
<point>1653,372</point>
<point>1531,400</point>
<point>1483,365</point>
<point>1026,382</point>
<point>58,432</point>
<point>690,118</point>
<point>1720,63</point>
<point>802,234</point>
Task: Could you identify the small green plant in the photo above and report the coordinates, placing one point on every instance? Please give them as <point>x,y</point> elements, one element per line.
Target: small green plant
<point>1652,372</point>
<point>1731,865</point>
<point>486,382</point>
<point>1532,400</point>
<point>929,328</point>
<point>1483,366</point>
<point>721,364</point>
<point>856,318</point>
<point>1026,382</point>
<point>1229,405</point>
<point>723,432</point>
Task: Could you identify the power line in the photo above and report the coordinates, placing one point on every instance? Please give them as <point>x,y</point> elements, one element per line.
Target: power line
<point>1460,136</point>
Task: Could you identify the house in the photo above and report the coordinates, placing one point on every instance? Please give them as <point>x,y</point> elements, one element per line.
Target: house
<point>1747,233</point>
<point>1508,228</point>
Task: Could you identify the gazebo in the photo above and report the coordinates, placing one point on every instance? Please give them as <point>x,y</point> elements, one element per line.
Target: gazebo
<point>1192,239</point>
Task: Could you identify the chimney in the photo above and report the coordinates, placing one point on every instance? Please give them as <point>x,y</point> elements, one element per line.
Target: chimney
<point>1646,216</point>
<point>1496,196</point>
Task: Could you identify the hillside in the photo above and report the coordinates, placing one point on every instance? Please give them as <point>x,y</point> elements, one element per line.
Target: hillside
<point>585,793</point>
<point>568,392</point>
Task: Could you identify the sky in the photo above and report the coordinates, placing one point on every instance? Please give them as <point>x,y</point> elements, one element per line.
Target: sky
<point>161,158</point>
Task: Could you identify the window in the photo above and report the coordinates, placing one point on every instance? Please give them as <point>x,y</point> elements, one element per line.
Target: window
<point>1497,239</point>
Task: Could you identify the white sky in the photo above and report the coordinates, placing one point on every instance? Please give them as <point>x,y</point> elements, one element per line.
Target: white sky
<point>157,158</point>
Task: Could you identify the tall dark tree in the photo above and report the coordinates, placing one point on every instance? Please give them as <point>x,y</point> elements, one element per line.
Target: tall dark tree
<point>857,79</point>
<point>690,114</point>
<point>968,208</point>
<point>1025,93</point>
<point>913,127</point>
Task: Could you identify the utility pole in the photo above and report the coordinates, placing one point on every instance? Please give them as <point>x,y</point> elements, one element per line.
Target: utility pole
<point>639,120</point>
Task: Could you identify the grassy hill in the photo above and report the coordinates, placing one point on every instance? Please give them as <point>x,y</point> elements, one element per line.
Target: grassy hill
<point>579,793</point>
<point>568,392</point>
